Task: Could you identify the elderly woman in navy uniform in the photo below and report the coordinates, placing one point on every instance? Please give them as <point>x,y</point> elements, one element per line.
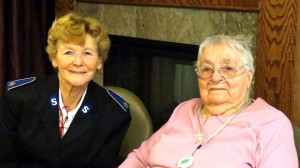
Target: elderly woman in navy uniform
<point>64,120</point>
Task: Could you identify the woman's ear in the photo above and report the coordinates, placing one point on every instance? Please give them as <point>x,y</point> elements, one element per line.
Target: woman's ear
<point>99,64</point>
<point>54,62</point>
<point>250,76</point>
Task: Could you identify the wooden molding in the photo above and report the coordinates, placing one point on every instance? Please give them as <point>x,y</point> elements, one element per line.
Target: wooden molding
<point>245,5</point>
<point>64,6</point>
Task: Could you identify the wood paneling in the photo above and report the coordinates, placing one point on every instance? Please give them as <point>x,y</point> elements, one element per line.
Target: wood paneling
<point>276,53</point>
<point>277,61</point>
<point>295,113</point>
<point>64,6</point>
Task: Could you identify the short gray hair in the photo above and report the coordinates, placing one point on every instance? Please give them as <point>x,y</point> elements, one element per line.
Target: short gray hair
<point>240,43</point>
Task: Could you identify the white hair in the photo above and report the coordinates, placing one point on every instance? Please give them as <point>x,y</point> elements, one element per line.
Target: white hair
<point>240,43</point>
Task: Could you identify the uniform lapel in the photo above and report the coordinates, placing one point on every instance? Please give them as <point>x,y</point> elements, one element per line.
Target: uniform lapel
<point>48,110</point>
<point>83,119</point>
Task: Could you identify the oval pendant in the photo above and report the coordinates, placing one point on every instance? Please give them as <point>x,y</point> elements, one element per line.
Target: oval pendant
<point>185,162</point>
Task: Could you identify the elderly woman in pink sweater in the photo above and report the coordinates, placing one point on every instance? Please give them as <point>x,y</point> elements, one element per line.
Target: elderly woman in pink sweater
<point>224,128</point>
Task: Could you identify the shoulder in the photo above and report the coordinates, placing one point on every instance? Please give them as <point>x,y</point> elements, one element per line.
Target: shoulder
<point>107,95</point>
<point>30,87</point>
<point>192,104</point>
<point>262,110</point>
<point>263,115</point>
<point>119,100</point>
<point>19,83</point>
<point>32,83</point>
<point>187,108</point>
<point>21,90</point>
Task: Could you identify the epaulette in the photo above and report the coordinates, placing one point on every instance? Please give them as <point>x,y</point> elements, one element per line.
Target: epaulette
<point>20,82</point>
<point>119,100</point>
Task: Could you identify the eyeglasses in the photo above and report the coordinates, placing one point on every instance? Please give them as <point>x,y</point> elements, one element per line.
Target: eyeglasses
<point>226,71</point>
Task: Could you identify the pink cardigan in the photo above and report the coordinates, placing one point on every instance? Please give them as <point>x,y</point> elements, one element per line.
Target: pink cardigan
<point>258,137</point>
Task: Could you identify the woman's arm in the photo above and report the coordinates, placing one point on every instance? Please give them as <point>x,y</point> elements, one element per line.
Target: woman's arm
<point>138,158</point>
<point>278,145</point>
<point>8,128</point>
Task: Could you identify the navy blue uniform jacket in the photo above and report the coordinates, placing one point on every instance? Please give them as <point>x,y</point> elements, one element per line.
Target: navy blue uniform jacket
<point>29,128</point>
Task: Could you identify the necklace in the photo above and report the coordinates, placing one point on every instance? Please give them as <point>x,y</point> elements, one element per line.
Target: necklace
<point>62,121</point>
<point>199,135</point>
<point>187,161</point>
<point>65,122</point>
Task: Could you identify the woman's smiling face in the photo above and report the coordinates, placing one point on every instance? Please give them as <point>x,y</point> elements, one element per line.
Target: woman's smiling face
<point>217,90</point>
<point>77,64</point>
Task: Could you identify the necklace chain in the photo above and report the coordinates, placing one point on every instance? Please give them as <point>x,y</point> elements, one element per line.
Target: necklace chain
<point>186,162</point>
<point>201,134</point>
<point>62,121</point>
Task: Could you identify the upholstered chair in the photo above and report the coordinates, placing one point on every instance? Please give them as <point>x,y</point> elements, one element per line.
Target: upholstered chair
<point>140,128</point>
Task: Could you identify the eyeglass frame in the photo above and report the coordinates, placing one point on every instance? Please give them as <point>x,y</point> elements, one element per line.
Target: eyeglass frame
<point>219,71</point>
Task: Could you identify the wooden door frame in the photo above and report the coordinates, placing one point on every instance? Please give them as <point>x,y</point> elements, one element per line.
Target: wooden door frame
<point>277,59</point>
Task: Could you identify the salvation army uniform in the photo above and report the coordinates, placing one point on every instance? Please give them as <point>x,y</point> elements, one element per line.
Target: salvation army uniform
<point>29,130</point>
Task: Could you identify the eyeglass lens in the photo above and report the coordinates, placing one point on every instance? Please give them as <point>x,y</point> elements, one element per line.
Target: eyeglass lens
<point>225,71</point>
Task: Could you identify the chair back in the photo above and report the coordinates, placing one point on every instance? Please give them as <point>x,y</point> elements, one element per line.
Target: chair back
<point>297,139</point>
<point>140,127</point>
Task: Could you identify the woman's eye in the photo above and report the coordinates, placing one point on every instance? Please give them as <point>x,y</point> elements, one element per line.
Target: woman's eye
<point>228,68</point>
<point>68,53</point>
<point>206,69</point>
<point>87,53</point>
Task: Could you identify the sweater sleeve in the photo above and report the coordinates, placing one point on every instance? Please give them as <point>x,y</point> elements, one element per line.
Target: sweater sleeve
<point>277,145</point>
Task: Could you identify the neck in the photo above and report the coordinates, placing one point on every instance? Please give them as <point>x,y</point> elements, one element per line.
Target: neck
<point>214,110</point>
<point>71,95</point>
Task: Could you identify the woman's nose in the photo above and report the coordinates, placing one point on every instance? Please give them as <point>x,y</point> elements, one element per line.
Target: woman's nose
<point>78,60</point>
<point>216,75</point>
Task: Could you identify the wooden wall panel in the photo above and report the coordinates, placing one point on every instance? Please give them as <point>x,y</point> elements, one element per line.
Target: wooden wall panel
<point>64,6</point>
<point>295,114</point>
<point>276,53</point>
